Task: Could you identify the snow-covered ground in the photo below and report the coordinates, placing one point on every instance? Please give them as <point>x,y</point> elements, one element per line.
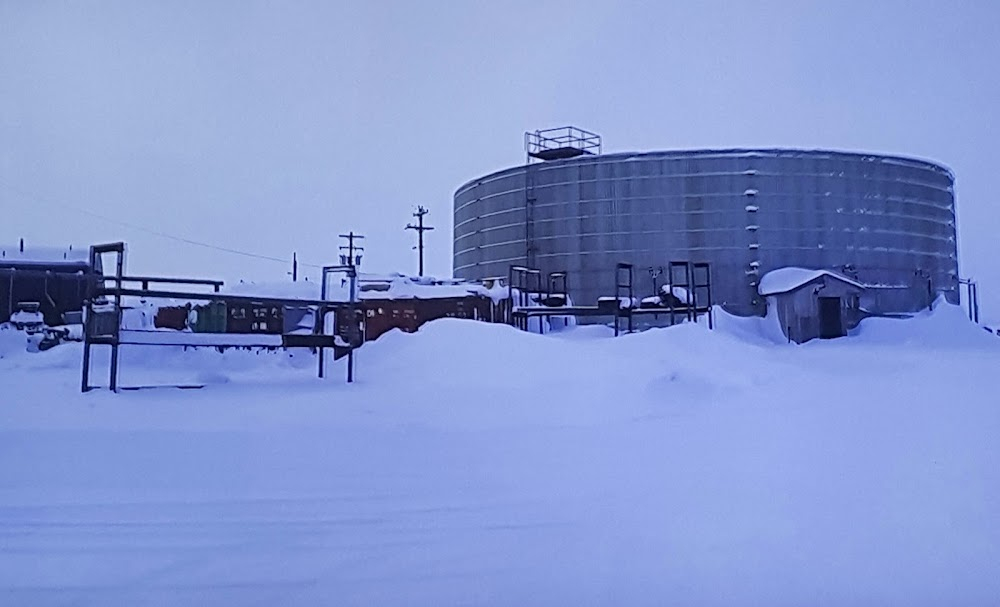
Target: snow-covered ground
<point>473,464</point>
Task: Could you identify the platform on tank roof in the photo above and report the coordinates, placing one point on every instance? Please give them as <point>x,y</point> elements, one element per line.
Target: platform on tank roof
<point>559,153</point>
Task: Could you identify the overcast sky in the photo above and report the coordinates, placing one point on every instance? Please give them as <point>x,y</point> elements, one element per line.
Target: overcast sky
<point>270,127</point>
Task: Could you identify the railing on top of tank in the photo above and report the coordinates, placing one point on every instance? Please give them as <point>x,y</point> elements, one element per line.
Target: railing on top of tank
<point>562,137</point>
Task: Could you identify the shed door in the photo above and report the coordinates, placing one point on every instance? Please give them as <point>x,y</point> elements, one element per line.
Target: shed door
<point>831,323</point>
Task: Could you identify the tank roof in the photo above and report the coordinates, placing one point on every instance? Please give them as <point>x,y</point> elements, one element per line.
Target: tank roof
<point>730,153</point>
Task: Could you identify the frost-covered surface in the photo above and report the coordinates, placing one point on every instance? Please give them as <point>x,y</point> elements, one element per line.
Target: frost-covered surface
<point>473,464</point>
<point>787,279</point>
<point>680,294</point>
<point>370,286</point>
<point>623,302</point>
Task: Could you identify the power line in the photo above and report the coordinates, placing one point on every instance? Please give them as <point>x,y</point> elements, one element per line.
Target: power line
<point>147,230</point>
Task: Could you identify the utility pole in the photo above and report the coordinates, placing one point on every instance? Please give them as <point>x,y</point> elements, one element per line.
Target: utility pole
<point>353,256</point>
<point>352,259</point>
<point>420,228</point>
<point>295,266</point>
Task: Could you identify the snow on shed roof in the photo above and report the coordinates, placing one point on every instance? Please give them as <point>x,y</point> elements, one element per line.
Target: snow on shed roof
<point>788,279</point>
<point>49,255</point>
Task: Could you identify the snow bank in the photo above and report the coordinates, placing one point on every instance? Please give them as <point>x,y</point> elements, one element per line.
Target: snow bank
<point>472,463</point>
<point>12,343</point>
<point>752,329</point>
<point>947,326</point>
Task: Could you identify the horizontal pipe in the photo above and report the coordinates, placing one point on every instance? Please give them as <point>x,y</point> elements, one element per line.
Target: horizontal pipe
<point>172,281</point>
<point>217,297</point>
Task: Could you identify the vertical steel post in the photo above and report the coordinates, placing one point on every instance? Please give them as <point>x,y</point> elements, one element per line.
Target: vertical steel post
<point>85,377</point>
<point>692,314</point>
<point>116,337</point>
<point>631,298</point>
<point>10,293</point>
<point>85,380</point>
<point>711,311</point>
<point>975,301</point>
<point>350,353</point>
<point>87,310</point>
<point>321,321</point>
<point>510,295</point>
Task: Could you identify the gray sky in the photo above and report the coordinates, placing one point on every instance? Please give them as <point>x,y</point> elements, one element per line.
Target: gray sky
<point>273,126</point>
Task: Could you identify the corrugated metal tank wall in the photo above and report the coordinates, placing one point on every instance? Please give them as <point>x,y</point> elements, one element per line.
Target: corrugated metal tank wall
<point>744,211</point>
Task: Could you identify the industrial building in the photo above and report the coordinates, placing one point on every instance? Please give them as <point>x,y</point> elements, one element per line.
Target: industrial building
<point>886,223</point>
<point>50,279</point>
<point>810,304</point>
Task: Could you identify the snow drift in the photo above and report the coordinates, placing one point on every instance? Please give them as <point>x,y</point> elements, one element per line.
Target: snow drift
<point>476,464</point>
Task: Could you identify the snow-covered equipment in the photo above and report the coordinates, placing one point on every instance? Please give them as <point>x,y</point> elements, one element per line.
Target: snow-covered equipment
<point>28,317</point>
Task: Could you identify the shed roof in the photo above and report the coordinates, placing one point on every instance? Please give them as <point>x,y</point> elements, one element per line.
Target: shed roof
<point>788,279</point>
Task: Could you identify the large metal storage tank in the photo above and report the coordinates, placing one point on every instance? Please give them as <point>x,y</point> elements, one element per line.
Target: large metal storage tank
<point>886,221</point>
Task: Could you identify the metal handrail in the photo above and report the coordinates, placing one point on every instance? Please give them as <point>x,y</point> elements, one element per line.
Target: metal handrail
<point>156,294</point>
<point>146,280</point>
<point>567,136</point>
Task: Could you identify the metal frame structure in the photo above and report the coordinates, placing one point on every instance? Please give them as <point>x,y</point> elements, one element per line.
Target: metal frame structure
<point>103,329</point>
<point>352,273</point>
<point>705,286</point>
<point>561,142</point>
<point>697,281</point>
<point>624,278</point>
<point>558,285</point>
<point>550,144</point>
<point>971,297</point>
<point>103,326</point>
<point>524,281</point>
<point>685,284</point>
<point>528,283</point>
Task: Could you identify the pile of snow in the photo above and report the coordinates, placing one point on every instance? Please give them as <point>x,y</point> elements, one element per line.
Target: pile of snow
<point>947,326</point>
<point>472,463</point>
<point>12,343</point>
<point>680,293</point>
<point>751,329</point>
